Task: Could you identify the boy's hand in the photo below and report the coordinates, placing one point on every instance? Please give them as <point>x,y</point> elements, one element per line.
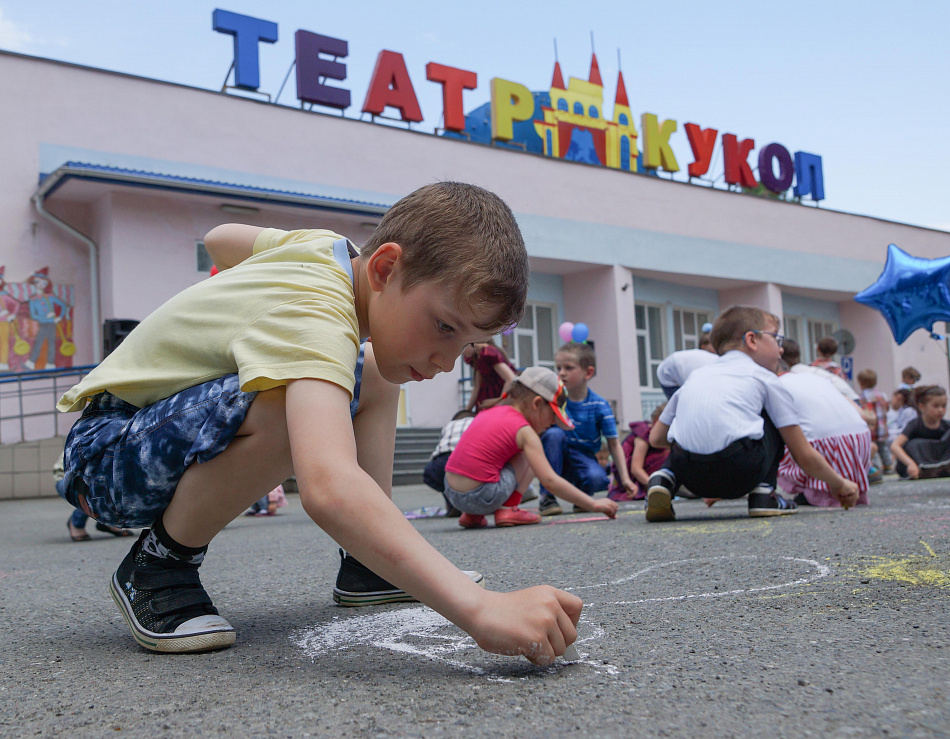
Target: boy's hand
<point>605,506</point>
<point>845,491</point>
<point>913,471</point>
<point>538,622</point>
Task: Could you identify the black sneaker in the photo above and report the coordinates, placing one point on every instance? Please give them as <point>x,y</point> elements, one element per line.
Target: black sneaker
<point>165,606</point>
<point>659,505</point>
<point>357,585</point>
<point>764,501</point>
<point>548,506</point>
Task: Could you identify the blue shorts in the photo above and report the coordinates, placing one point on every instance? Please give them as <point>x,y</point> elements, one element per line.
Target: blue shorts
<point>487,497</point>
<point>123,463</point>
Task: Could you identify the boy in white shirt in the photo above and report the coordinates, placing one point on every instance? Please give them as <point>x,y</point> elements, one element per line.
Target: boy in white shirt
<point>729,424</point>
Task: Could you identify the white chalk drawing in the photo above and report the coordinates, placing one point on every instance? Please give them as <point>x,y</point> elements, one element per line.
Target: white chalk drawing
<point>422,633</point>
<point>818,571</point>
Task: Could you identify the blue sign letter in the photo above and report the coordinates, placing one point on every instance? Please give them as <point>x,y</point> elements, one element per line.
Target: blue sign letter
<point>247,32</point>
<point>810,180</point>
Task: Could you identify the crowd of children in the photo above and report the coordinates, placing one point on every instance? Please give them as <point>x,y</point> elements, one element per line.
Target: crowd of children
<point>752,421</point>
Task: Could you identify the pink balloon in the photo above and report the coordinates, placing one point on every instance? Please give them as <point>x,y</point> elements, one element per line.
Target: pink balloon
<point>565,331</point>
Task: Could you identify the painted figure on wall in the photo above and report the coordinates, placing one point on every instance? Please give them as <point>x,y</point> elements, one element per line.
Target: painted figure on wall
<point>36,326</point>
<point>8,312</point>
<point>48,312</point>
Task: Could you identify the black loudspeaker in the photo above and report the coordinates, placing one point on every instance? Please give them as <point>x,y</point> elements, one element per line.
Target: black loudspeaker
<point>114,331</point>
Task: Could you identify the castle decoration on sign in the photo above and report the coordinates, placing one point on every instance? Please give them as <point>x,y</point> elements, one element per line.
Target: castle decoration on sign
<point>36,326</point>
<point>568,122</point>
<point>574,126</point>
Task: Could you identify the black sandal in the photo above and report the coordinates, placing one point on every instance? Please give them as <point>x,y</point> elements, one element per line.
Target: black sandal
<point>77,537</point>
<point>114,530</point>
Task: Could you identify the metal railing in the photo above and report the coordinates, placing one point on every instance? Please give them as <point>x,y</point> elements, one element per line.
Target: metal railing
<point>28,403</point>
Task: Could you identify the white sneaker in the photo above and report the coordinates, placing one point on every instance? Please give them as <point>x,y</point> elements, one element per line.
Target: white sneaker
<point>530,494</point>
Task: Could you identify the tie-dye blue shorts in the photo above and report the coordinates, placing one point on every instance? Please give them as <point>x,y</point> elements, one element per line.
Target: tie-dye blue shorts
<point>123,463</point>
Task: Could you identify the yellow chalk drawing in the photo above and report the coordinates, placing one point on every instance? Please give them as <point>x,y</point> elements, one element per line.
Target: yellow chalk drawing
<point>915,569</point>
<point>928,548</point>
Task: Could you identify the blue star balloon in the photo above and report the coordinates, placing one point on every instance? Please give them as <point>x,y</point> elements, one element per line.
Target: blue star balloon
<point>911,292</point>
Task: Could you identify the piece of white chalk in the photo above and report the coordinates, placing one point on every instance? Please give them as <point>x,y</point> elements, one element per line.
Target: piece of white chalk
<point>570,654</point>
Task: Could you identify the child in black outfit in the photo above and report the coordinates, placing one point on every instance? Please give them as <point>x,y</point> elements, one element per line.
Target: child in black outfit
<point>922,449</point>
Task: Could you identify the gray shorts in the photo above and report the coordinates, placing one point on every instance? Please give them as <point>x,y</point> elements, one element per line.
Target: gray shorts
<point>487,497</point>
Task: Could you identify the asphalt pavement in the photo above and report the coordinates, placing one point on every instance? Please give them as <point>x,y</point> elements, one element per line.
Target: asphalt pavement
<point>826,623</point>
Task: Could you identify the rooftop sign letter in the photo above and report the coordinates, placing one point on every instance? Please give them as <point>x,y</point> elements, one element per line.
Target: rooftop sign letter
<point>778,153</point>
<point>247,32</point>
<point>312,69</point>
<point>453,82</point>
<point>811,181</point>
<point>656,143</point>
<point>510,102</point>
<point>390,86</point>
<point>735,159</point>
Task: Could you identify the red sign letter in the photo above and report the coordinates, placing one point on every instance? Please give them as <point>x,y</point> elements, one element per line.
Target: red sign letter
<point>390,86</point>
<point>735,156</point>
<point>453,82</point>
<point>702,141</point>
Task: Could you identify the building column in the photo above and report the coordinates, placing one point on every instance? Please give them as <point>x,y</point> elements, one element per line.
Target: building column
<point>602,298</point>
<point>764,295</point>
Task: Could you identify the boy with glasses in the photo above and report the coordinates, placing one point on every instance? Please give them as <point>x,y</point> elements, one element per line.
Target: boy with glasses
<point>730,422</point>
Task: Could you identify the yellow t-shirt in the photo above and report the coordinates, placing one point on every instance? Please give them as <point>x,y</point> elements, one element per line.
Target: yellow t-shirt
<point>285,313</point>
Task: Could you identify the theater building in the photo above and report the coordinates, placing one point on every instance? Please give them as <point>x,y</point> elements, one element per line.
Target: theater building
<point>109,183</point>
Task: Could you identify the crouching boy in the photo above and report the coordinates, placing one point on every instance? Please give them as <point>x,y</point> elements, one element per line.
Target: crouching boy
<point>729,424</point>
<point>256,374</point>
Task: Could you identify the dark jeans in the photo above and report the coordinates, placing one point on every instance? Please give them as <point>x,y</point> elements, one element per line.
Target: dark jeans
<point>732,472</point>
<point>578,467</point>
<point>434,473</point>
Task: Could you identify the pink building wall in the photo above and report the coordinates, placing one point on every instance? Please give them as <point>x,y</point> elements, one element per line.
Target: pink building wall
<point>594,226</point>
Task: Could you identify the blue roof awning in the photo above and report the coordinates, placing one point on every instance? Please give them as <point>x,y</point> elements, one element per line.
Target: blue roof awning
<point>87,172</point>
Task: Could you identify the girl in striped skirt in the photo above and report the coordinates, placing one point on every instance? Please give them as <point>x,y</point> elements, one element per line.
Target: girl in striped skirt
<point>834,426</point>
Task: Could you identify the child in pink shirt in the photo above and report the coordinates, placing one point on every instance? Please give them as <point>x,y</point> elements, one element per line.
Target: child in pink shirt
<point>501,452</point>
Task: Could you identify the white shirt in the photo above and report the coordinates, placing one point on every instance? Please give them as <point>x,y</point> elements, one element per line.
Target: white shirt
<point>824,412</point>
<point>674,370</point>
<point>840,385</point>
<point>723,401</point>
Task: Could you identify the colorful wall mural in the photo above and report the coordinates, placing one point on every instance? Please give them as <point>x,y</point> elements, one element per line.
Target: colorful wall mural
<point>36,323</point>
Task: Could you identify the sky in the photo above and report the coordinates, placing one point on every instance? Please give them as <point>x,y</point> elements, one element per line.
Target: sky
<point>862,84</point>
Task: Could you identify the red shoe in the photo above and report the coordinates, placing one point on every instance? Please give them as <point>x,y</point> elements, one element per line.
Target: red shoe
<point>515,517</point>
<point>472,521</point>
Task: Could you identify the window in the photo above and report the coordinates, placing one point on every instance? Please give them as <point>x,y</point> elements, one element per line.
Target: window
<point>687,328</point>
<point>791,327</point>
<point>203,261</point>
<point>807,332</point>
<point>562,104</point>
<point>817,330</point>
<point>533,340</point>
<point>579,108</point>
<point>649,319</point>
<point>593,112</point>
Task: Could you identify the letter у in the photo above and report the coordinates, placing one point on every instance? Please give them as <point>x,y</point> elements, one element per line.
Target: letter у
<point>311,67</point>
<point>735,155</point>
<point>390,86</point>
<point>454,82</point>
<point>811,180</point>
<point>656,143</point>
<point>247,32</point>
<point>702,141</point>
